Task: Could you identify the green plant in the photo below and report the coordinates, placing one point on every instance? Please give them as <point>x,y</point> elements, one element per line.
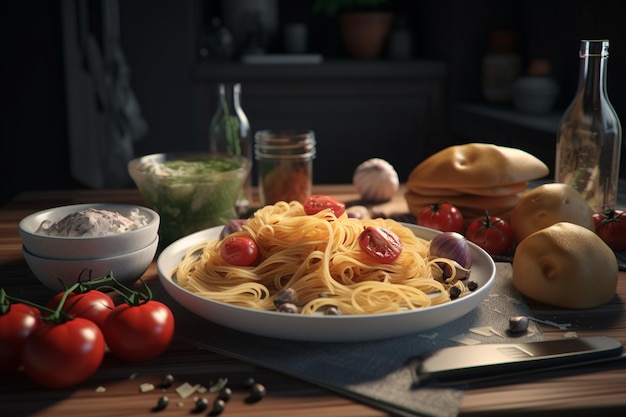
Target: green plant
<point>333,7</point>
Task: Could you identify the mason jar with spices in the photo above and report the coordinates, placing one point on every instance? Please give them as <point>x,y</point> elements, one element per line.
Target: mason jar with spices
<point>285,164</point>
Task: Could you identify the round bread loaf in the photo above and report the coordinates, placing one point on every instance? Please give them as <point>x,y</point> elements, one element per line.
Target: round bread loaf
<point>546,205</point>
<point>476,165</point>
<point>567,266</point>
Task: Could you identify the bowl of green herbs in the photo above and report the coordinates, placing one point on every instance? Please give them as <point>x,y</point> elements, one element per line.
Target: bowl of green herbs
<point>191,191</point>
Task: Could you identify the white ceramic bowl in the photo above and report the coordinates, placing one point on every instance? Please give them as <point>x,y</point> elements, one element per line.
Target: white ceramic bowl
<point>74,248</point>
<point>322,328</point>
<point>127,268</point>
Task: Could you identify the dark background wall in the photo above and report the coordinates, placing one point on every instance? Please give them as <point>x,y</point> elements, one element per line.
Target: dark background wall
<point>160,40</point>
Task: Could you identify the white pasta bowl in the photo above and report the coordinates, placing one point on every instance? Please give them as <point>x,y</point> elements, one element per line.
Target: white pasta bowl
<point>126,268</point>
<point>323,328</point>
<point>87,247</point>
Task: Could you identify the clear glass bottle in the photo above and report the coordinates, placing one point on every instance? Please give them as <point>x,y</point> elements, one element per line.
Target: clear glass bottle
<point>229,134</point>
<point>285,164</point>
<point>589,140</point>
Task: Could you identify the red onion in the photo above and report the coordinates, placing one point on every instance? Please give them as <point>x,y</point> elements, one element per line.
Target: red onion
<point>452,245</point>
<point>232,226</point>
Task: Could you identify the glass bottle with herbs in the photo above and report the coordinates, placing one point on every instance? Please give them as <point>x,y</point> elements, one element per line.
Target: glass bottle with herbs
<point>590,136</point>
<point>229,134</point>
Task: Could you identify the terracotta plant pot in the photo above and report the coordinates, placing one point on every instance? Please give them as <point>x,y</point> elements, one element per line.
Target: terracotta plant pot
<point>364,33</point>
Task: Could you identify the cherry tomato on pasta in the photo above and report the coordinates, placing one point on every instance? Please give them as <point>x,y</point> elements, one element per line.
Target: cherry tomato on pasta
<point>441,216</point>
<point>318,202</point>
<point>140,332</point>
<point>491,233</point>
<point>380,243</point>
<point>611,227</point>
<point>239,251</point>
<point>63,355</point>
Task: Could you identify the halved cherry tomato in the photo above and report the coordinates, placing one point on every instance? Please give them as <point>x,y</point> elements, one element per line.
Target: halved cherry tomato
<point>63,355</point>
<point>318,202</point>
<point>17,322</point>
<point>491,233</point>
<point>92,305</point>
<point>139,332</point>
<point>380,243</point>
<point>611,227</point>
<point>441,216</point>
<point>239,251</point>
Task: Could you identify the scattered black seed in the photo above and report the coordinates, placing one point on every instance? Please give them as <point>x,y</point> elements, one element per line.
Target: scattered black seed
<point>201,405</point>
<point>225,394</point>
<point>454,292</point>
<point>218,407</point>
<point>288,308</point>
<point>518,324</point>
<point>285,296</point>
<point>167,382</point>
<point>162,403</point>
<point>257,391</point>
<point>472,285</point>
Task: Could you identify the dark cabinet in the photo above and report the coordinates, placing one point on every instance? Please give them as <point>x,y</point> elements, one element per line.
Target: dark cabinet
<point>358,111</point>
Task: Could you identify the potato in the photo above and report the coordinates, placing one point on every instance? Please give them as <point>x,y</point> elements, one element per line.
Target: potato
<point>565,265</point>
<point>546,205</point>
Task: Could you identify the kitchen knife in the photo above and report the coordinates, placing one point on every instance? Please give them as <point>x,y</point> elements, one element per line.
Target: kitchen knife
<point>465,364</point>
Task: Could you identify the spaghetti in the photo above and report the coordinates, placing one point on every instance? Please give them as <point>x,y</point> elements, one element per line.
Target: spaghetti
<point>319,258</point>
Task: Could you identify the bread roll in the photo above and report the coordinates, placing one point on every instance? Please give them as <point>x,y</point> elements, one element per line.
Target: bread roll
<point>476,165</point>
<point>567,266</point>
<point>548,204</point>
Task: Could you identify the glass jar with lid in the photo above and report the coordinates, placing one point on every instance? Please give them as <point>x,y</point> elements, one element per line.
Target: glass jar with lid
<point>285,164</point>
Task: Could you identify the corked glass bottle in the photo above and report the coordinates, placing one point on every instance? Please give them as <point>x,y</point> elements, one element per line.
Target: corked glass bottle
<point>230,134</point>
<point>589,140</point>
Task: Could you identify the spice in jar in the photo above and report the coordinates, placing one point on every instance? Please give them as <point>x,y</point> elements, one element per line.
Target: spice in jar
<point>285,165</point>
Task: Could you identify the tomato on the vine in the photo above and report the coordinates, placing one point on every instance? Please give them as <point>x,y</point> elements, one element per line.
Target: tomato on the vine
<point>441,216</point>
<point>17,322</point>
<point>318,202</point>
<point>611,227</point>
<point>380,243</point>
<point>491,233</point>
<point>63,355</point>
<point>239,251</point>
<point>139,332</point>
<point>92,305</point>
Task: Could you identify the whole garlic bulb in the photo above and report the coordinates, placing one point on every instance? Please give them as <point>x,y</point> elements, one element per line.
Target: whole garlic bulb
<point>376,180</point>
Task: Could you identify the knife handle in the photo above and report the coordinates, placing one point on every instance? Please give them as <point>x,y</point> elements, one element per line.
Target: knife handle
<point>464,364</point>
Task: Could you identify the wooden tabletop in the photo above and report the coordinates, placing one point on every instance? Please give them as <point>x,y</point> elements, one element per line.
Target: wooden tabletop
<point>115,388</point>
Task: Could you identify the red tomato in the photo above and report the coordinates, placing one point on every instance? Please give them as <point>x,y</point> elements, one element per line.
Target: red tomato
<point>239,251</point>
<point>611,227</point>
<point>316,203</point>
<point>441,216</point>
<point>63,355</point>
<point>380,243</point>
<point>491,233</point>
<point>16,324</point>
<point>91,305</point>
<point>141,332</point>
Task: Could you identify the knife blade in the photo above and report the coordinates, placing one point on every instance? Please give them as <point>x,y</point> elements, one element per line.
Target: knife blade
<point>470,364</point>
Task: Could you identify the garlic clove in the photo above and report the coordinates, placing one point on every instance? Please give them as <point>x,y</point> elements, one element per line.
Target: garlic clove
<point>376,180</point>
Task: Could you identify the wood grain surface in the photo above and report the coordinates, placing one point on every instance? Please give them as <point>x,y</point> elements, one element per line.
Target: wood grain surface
<point>592,390</point>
